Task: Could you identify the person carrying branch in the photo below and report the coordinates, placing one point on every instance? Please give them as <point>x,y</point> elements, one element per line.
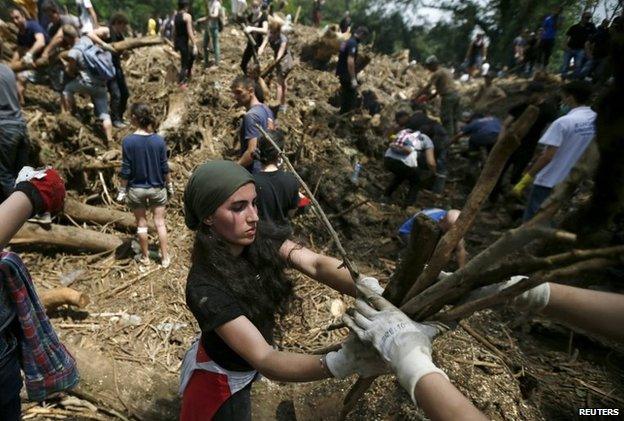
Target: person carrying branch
<point>235,288</point>
<point>444,85</point>
<point>406,344</point>
<point>28,341</point>
<point>345,69</point>
<point>145,179</point>
<point>278,42</point>
<point>563,144</point>
<point>184,41</point>
<point>117,87</point>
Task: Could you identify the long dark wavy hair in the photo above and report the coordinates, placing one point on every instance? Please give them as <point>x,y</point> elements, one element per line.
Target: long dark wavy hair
<point>256,277</point>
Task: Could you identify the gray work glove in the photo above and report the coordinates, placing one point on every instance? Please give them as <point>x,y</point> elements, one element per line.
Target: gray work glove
<point>108,47</point>
<point>404,343</point>
<point>533,300</point>
<point>355,358</point>
<point>371,283</point>
<point>121,196</point>
<point>28,58</point>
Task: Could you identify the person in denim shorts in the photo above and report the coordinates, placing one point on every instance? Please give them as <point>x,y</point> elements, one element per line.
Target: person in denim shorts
<point>145,180</point>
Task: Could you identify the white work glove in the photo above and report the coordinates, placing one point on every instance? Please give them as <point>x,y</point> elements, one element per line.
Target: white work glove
<point>121,196</point>
<point>533,300</point>
<point>404,343</point>
<point>371,283</point>
<point>195,51</point>
<point>355,358</point>
<point>170,190</point>
<point>354,83</point>
<point>28,58</point>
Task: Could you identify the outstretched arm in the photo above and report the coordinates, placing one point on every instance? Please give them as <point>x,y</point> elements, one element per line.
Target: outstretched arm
<point>14,211</point>
<point>322,268</point>
<point>441,401</point>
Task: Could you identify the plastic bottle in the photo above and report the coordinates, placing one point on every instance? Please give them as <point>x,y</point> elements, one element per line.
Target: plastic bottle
<point>357,168</point>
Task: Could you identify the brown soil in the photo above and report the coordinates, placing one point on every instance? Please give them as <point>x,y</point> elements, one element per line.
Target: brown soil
<point>543,377</point>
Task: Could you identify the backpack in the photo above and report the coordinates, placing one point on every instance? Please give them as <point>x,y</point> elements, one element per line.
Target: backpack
<point>405,138</point>
<point>98,63</point>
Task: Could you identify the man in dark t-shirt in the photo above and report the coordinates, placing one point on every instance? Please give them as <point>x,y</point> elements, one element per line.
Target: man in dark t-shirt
<point>278,191</point>
<point>345,69</point>
<point>577,36</point>
<point>521,157</point>
<point>257,27</point>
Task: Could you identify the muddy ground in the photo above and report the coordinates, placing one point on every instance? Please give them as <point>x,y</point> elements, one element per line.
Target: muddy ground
<point>546,372</point>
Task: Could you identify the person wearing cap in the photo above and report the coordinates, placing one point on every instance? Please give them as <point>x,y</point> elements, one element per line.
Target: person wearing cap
<point>345,69</point>
<point>442,81</point>
<point>235,288</point>
<point>563,143</point>
<point>407,345</point>
<point>445,219</point>
<point>278,191</point>
<point>520,158</point>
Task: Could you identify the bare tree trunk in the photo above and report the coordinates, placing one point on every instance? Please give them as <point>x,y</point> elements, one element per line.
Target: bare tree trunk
<point>57,297</point>
<point>62,236</point>
<point>82,212</point>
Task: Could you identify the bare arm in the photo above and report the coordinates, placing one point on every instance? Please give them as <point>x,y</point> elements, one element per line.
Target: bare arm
<point>441,401</point>
<point>596,312</point>
<point>265,42</point>
<point>245,339</point>
<point>281,51</point>
<point>430,158</point>
<point>351,66</point>
<point>544,159</point>
<point>39,44</point>
<point>14,211</point>
<point>460,254</point>
<point>247,158</point>
<point>56,40</point>
<point>97,34</point>
<point>322,268</point>
<point>189,27</point>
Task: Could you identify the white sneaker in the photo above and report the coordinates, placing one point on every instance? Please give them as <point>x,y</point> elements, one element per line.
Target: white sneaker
<point>165,262</point>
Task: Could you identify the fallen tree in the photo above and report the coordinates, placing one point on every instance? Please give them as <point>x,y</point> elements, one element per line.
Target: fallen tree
<point>67,237</point>
<point>54,298</point>
<point>82,212</point>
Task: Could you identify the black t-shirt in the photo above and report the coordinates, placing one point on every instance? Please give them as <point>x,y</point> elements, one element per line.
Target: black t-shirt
<point>258,21</point>
<point>345,24</point>
<point>116,37</point>
<point>213,304</point>
<point>579,34</point>
<point>348,48</point>
<point>436,132</point>
<point>547,114</point>
<point>278,192</point>
<point>601,40</point>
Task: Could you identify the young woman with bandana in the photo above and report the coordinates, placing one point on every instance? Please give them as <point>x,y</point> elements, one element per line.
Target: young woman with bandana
<point>235,288</point>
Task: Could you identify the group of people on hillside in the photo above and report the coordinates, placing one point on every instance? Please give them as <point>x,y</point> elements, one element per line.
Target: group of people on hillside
<point>585,48</point>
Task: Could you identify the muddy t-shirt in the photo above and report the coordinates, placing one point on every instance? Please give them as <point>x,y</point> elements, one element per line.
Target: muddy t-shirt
<point>213,304</point>
<point>443,82</point>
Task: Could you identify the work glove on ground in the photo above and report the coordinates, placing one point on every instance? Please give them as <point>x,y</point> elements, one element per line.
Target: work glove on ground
<point>525,181</point>
<point>45,189</point>
<point>405,344</point>
<point>170,189</point>
<point>355,357</point>
<point>533,300</point>
<point>121,196</point>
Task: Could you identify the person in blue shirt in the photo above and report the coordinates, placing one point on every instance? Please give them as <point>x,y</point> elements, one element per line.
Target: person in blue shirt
<point>483,130</point>
<point>31,40</point>
<point>145,180</point>
<point>345,69</point>
<point>445,220</point>
<point>550,25</point>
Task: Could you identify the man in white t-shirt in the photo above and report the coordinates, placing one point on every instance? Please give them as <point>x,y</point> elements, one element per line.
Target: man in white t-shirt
<point>88,18</point>
<point>564,142</point>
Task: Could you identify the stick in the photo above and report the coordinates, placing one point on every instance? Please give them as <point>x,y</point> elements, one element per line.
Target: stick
<point>271,67</point>
<point>253,44</point>
<point>346,261</point>
<point>297,15</point>
<point>488,178</point>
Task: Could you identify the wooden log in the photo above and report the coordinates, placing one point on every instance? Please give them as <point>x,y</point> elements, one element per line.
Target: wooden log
<point>57,297</point>
<point>82,212</point>
<point>66,237</point>
<point>120,46</point>
<point>487,180</point>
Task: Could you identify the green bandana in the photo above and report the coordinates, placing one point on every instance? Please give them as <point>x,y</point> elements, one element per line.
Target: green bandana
<point>209,186</point>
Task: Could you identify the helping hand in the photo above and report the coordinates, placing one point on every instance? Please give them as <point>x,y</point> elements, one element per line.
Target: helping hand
<point>45,189</point>
<point>524,182</point>
<point>405,344</point>
<point>533,300</point>
<point>355,358</point>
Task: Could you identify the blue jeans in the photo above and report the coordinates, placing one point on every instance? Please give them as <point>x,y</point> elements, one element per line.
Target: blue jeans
<point>537,196</point>
<point>568,55</point>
